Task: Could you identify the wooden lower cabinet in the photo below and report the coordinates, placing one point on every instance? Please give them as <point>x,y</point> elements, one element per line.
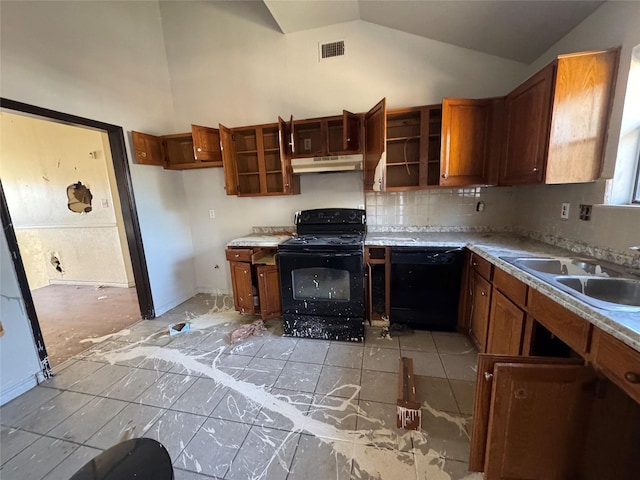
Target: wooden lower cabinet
<point>542,418</point>
<point>619,361</point>
<point>242,286</point>
<point>480,303</point>
<point>506,326</point>
<point>255,281</point>
<point>269,291</point>
<point>377,281</point>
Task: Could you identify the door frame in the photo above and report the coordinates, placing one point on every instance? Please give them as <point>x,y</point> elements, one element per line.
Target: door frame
<point>124,185</point>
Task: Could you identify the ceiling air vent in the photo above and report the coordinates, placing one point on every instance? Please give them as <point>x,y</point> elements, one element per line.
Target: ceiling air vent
<point>331,49</point>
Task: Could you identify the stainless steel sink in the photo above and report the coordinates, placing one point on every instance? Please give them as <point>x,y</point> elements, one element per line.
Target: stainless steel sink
<point>604,292</point>
<point>564,266</point>
<point>593,282</point>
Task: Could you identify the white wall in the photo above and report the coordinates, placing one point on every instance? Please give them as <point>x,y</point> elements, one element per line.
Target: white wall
<point>229,64</point>
<point>107,61</point>
<point>612,227</point>
<point>19,362</point>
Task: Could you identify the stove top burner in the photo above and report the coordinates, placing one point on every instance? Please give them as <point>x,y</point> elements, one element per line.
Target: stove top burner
<point>344,239</point>
<point>332,241</point>
<point>328,229</point>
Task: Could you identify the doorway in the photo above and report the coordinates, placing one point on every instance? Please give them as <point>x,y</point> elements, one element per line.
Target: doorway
<point>72,229</point>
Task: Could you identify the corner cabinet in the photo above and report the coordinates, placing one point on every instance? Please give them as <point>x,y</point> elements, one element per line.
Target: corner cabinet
<point>198,149</point>
<point>255,281</point>
<point>556,122</point>
<point>257,161</point>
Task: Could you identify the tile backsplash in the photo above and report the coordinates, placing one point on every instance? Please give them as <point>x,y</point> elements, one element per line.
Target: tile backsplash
<point>456,208</point>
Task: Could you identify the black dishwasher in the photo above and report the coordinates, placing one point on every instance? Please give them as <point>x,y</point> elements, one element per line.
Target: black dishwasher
<point>425,287</point>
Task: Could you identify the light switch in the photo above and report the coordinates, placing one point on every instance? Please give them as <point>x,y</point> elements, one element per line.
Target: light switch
<point>212,213</point>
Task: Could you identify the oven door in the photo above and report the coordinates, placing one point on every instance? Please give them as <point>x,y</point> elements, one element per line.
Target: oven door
<point>322,283</point>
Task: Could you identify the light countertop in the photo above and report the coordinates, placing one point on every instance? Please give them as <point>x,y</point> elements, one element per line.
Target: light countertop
<point>259,240</point>
<point>623,325</point>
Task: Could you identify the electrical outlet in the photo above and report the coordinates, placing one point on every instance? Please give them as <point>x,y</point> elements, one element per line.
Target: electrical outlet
<point>564,211</point>
<point>212,213</point>
<point>307,145</point>
<point>585,212</point>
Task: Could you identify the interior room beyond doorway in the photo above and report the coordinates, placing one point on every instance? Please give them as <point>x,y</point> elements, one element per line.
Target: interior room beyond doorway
<point>60,188</point>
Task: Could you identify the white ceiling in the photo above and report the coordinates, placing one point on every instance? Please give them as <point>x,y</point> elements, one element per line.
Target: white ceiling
<point>518,30</point>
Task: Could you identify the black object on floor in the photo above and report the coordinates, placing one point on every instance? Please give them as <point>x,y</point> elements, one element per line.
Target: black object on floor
<point>138,458</point>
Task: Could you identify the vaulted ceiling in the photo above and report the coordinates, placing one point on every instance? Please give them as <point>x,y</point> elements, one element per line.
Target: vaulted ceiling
<point>517,30</point>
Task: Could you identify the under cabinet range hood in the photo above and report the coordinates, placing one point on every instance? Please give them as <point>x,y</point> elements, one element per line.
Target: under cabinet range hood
<point>333,163</point>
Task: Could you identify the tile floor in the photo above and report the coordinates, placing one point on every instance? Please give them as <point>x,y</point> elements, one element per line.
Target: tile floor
<point>268,407</point>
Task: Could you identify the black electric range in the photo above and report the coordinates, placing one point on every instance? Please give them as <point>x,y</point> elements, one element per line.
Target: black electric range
<point>322,275</point>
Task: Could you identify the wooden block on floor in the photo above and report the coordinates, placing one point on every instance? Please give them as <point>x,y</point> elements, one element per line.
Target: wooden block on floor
<point>409,415</point>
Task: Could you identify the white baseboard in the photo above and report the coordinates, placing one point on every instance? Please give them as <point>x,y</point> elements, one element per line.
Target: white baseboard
<point>165,307</point>
<point>16,389</point>
<point>95,284</point>
<point>212,291</point>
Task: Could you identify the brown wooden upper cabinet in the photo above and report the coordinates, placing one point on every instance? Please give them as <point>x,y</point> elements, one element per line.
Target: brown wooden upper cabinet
<point>556,121</point>
<point>256,160</point>
<point>324,136</point>
<point>470,147</point>
<point>413,147</point>
<point>198,149</point>
<point>206,145</point>
<point>375,139</point>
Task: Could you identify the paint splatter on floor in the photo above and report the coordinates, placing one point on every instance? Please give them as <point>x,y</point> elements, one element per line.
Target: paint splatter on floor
<point>375,453</point>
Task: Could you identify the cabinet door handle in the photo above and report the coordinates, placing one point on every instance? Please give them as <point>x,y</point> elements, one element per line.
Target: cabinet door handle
<point>262,275</point>
<point>199,149</point>
<point>632,377</point>
<point>535,169</point>
<point>445,175</point>
<point>488,376</point>
<point>236,255</point>
<point>143,154</point>
<point>483,293</point>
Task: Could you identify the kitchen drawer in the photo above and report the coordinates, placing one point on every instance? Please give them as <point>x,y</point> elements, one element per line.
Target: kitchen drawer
<point>618,361</point>
<point>264,256</point>
<point>482,266</point>
<point>567,326</point>
<point>511,287</point>
<point>239,254</point>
